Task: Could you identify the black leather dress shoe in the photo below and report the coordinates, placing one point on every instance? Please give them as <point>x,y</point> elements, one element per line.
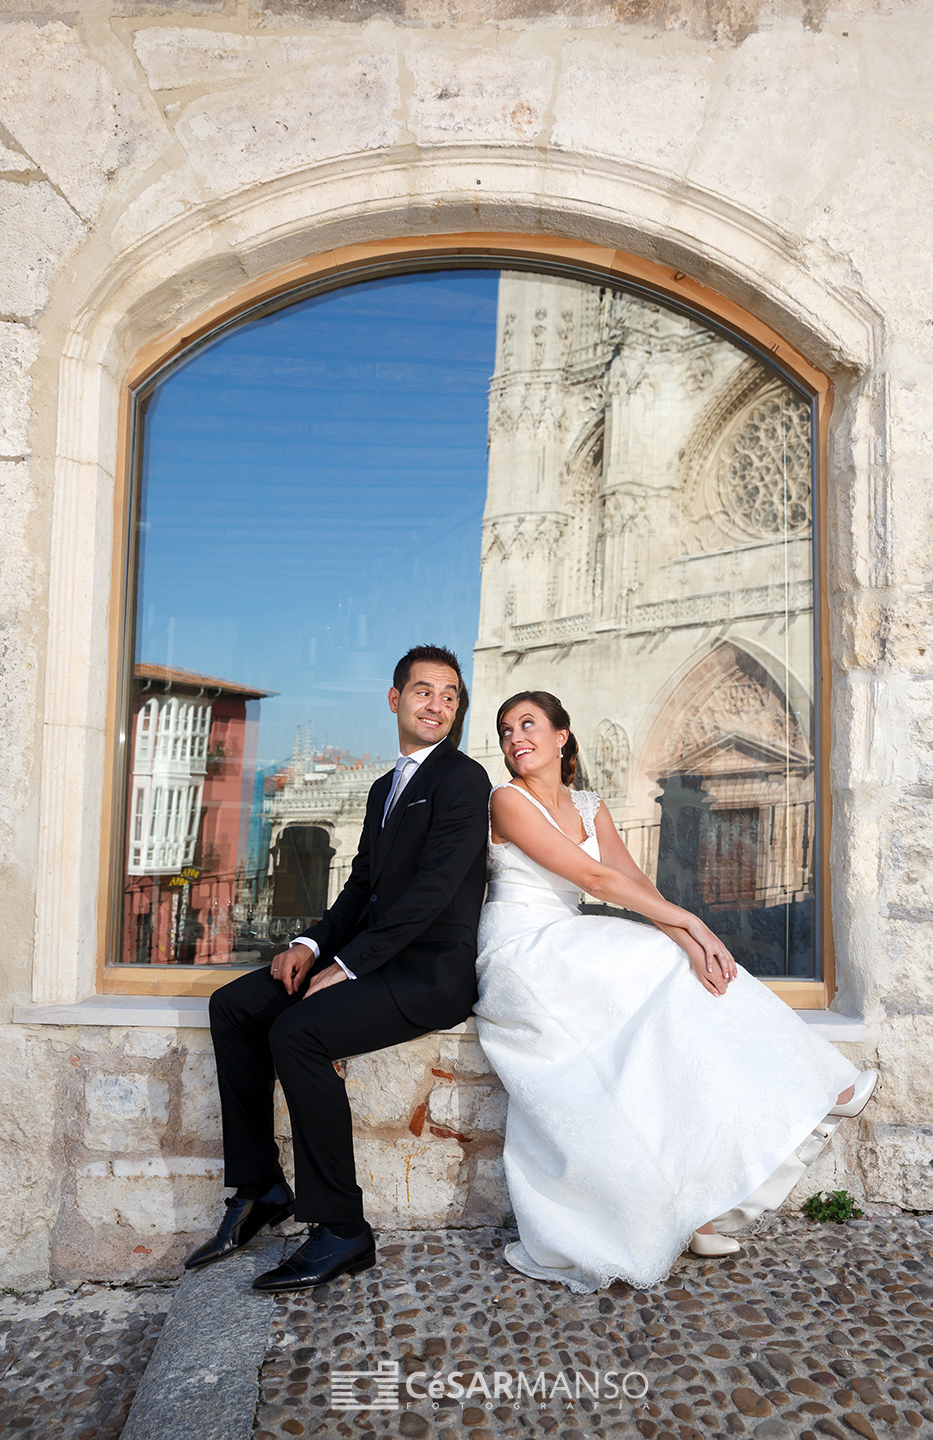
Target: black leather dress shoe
<point>322,1257</point>
<point>244,1220</point>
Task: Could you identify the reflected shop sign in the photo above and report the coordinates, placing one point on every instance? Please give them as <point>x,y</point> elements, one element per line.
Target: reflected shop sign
<point>188,876</point>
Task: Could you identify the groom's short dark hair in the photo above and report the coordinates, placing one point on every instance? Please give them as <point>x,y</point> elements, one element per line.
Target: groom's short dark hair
<point>432,655</point>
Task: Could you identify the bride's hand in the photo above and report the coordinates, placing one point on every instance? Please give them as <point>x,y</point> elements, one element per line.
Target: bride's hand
<point>717,960</point>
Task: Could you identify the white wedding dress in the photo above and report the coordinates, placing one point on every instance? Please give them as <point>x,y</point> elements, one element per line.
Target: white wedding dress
<point>640,1106</point>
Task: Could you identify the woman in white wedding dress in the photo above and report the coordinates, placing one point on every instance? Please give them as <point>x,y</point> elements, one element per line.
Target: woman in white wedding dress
<point>653,1084</point>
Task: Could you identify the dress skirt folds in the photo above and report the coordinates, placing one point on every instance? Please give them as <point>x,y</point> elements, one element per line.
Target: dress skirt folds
<point>640,1106</point>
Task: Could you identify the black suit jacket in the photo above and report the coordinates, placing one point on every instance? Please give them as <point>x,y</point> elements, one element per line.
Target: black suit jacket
<point>411,904</point>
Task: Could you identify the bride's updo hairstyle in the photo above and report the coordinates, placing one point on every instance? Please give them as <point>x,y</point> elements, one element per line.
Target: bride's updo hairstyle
<point>559,719</point>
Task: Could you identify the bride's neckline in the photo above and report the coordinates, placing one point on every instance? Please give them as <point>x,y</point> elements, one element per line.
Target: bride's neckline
<point>545,811</point>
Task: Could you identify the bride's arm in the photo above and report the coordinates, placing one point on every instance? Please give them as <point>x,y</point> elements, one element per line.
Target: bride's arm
<point>617,855</point>
<point>513,818</point>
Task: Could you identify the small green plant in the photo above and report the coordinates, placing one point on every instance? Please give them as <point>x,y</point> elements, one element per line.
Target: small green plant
<point>836,1208</point>
<point>508,1221</point>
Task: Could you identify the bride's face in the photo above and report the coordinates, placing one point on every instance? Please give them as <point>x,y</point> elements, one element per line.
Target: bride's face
<point>529,741</point>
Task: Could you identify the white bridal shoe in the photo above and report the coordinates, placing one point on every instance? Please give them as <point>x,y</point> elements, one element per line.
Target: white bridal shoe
<point>713,1245</point>
<point>864,1088</point>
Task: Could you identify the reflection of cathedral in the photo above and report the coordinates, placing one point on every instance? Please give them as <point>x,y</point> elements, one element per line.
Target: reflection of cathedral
<point>313,809</point>
<point>643,475</point>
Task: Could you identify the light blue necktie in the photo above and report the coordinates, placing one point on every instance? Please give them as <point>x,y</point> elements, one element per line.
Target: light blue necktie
<point>403,768</point>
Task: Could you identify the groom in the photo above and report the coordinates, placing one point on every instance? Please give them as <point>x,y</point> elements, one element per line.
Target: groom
<point>393,958</point>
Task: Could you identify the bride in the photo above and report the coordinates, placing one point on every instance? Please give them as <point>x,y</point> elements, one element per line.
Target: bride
<point>653,1083</point>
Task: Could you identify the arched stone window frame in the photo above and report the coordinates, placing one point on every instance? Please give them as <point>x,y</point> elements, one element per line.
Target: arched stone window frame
<point>71,929</point>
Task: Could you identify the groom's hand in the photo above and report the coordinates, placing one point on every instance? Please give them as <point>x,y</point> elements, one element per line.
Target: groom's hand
<point>330,975</point>
<point>292,965</point>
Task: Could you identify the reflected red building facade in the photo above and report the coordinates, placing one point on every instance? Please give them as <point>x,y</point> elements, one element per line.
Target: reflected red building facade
<point>192,774</point>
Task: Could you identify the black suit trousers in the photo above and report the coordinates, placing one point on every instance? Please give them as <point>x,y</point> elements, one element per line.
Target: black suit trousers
<point>260,1031</point>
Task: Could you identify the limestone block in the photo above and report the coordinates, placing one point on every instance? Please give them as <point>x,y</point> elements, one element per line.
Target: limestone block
<point>871,732</point>
<point>872,214</point>
<point>898,1166</point>
<point>149,1044</point>
<point>410,1182</point>
<point>907,979</point>
<point>488,1200</point>
<point>19,664</point>
<point>28,1170</point>
<point>124,1112</point>
<point>907,857</point>
<point>200,1101</point>
<point>161,1196</point>
<point>39,230</point>
<point>918,711</point>
<point>905,1095</point>
<point>638,104</point>
<point>181,55</point>
<point>477,94</point>
<point>173,194</point>
<point>463,1055</point>
<point>281,1123</point>
<point>94,1041</point>
<point>27,1265</point>
<point>14,162</point>
<point>909,634</point>
<point>466,1108</point>
<point>259,131</point>
<point>388,1085</point>
<point>757,143</point>
<point>47,79</point>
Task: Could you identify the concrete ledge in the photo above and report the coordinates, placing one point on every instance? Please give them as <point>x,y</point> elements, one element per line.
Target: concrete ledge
<point>157,1012</point>
<point>189,1012</point>
<point>832,1026</point>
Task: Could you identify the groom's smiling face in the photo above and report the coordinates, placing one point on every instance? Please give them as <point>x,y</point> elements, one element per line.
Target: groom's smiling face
<point>426,707</point>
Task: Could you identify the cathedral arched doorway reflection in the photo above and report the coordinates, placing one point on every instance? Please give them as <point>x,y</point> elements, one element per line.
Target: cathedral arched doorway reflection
<point>735,803</point>
<point>300,874</point>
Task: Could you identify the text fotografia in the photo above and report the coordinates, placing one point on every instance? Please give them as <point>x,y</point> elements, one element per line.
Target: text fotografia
<point>502,1387</point>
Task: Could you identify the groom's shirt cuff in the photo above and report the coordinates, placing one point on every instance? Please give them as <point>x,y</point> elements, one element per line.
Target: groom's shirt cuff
<point>315,949</point>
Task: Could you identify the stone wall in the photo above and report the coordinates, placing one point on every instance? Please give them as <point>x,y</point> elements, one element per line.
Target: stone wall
<point>156,158</point>
<point>116,1145</point>
<point>120,1155</point>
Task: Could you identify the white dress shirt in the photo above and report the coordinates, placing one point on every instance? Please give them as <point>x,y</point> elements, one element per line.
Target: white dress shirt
<point>419,756</point>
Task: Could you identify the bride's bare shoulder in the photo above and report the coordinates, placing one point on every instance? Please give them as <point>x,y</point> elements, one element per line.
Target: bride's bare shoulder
<point>504,801</point>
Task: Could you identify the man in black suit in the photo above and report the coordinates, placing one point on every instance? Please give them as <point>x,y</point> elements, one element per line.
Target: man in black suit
<point>392,959</point>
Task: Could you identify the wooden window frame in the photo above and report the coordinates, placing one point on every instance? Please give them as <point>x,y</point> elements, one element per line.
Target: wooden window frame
<point>353,263</point>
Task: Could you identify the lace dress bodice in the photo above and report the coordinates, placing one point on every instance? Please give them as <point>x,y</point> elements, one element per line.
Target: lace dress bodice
<point>510,867</point>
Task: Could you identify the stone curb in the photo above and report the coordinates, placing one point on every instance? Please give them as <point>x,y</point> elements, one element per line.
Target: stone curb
<point>202,1382</point>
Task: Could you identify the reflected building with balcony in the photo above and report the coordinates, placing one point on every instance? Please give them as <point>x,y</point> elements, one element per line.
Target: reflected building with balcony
<point>192,768</point>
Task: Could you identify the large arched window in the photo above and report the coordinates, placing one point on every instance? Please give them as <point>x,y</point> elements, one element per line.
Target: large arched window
<point>578,484</point>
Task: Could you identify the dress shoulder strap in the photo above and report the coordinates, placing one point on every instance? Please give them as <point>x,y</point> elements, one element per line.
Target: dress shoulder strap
<point>587,803</point>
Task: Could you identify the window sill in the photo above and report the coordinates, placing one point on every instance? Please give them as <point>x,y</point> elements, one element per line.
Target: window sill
<point>189,1012</point>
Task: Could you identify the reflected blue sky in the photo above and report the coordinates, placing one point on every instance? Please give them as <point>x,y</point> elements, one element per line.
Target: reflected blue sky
<point>313,488</point>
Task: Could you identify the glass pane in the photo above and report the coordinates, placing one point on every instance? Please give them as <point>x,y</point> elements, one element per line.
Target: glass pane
<point>318,495</point>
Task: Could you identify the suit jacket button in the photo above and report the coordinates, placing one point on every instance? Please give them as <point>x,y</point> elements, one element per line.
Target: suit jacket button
<point>373,899</point>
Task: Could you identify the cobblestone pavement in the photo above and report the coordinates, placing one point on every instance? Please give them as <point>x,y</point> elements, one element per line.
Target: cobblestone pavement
<point>70,1361</point>
<point>813,1331</point>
